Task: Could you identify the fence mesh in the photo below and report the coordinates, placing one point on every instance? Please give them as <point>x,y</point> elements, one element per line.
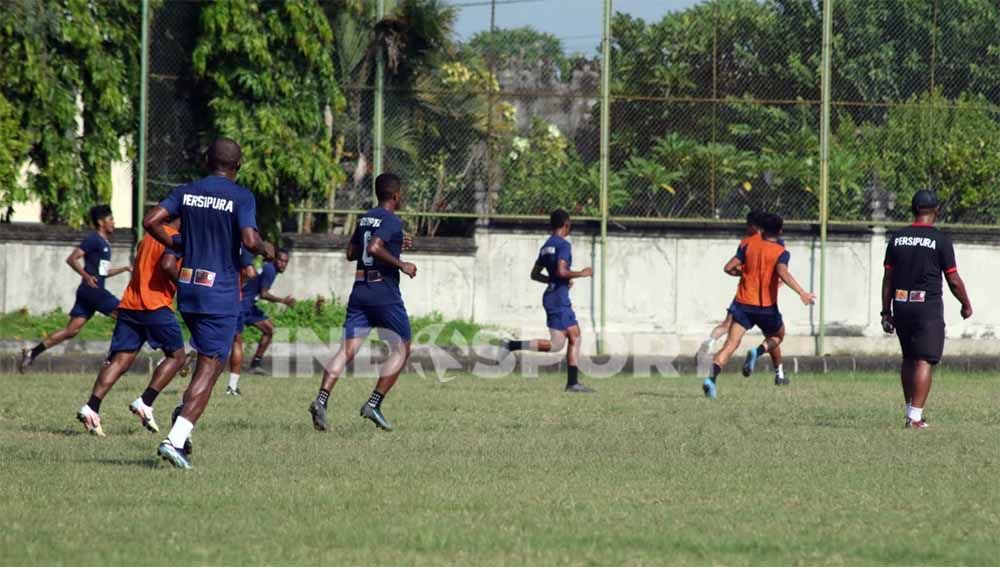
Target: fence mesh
<point>715,110</point>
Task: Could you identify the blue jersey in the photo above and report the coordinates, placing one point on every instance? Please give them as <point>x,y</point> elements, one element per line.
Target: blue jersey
<point>96,256</point>
<point>213,211</point>
<point>264,280</point>
<point>381,281</point>
<point>555,248</point>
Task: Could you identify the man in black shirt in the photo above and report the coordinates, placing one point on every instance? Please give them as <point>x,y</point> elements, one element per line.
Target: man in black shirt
<point>913,302</point>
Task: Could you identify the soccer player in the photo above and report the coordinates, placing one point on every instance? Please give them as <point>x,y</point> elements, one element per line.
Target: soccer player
<point>375,301</point>
<point>217,216</point>
<point>755,221</point>
<point>555,259</point>
<point>257,286</point>
<point>760,265</point>
<point>145,314</point>
<point>913,302</point>
<point>91,296</point>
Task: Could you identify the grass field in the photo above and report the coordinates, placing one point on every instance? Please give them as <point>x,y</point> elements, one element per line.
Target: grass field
<point>510,471</point>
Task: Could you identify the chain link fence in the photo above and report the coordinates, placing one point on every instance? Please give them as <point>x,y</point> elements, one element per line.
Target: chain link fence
<point>715,110</point>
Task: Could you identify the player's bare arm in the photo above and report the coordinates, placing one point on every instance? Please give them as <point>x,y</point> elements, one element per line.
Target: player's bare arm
<point>888,325</point>
<point>377,250</point>
<point>155,223</point>
<point>563,271</point>
<point>734,267</point>
<point>537,275</point>
<point>787,277</point>
<point>73,261</point>
<point>253,242</point>
<point>957,287</point>
<point>115,271</point>
<point>170,265</point>
<point>352,251</point>
<point>265,294</point>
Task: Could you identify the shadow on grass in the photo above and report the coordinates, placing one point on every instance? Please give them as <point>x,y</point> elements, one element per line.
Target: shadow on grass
<point>663,395</point>
<point>63,431</point>
<point>147,463</point>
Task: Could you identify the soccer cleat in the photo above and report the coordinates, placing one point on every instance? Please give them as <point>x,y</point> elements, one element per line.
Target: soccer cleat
<point>233,391</point>
<point>258,370</point>
<point>708,386</point>
<point>91,421</point>
<point>780,380</point>
<point>376,416</point>
<point>26,360</point>
<point>580,389</point>
<point>318,413</point>
<point>173,455</point>
<point>189,359</point>
<point>188,445</point>
<point>750,362</point>
<point>145,415</point>
<point>911,424</point>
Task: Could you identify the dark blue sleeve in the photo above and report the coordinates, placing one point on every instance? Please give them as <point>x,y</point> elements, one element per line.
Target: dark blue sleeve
<point>89,243</point>
<point>172,202</point>
<point>267,276</point>
<point>565,252</point>
<point>246,211</point>
<point>784,258</point>
<point>741,253</point>
<point>246,258</point>
<point>390,227</point>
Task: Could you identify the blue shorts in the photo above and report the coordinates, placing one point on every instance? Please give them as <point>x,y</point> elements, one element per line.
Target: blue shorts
<point>159,328</point>
<point>749,316</point>
<point>391,321</point>
<point>253,314</point>
<point>211,334</point>
<point>560,317</point>
<point>92,299</point>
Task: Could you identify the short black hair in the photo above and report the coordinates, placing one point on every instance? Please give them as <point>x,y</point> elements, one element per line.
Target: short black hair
<point>98,212</point>
<point>224,154</point>
<point>281,251</point>
<point>755,218</point>
<point>387,185</point>
<point>772,224</point>
<point>558,219</point>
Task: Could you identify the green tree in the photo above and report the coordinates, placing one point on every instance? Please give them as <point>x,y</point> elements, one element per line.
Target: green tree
<point>524,47</point>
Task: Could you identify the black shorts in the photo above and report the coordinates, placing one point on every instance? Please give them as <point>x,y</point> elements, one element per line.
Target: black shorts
<point>921,338</point>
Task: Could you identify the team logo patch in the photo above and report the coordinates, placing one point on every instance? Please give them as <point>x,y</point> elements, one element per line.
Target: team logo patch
<point>902,295</point>
<point>917,296</point>
<point>185,275</point>
<point>204,277</point>
<point>103,266</point>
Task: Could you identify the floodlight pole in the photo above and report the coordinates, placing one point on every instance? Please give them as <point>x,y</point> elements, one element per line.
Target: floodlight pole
<point>605,167</point>
<point>824,170</point>
<point>139,189</point>
<point>378,117</point>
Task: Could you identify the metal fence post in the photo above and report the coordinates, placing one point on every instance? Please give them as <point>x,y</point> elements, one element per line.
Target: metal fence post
<point>378,117</point>
<point>824,170</point>
<point>605,166</point>
<point>139,197</point>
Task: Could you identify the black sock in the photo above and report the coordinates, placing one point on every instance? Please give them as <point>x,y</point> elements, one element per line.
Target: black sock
<point>571,376</point>
<point>149,396</point>
<point>255,361</point>
<point>760,350</point>
<point>323,397</point>
<point>94,403</point>
<point>376,400</point>
<point>39,349</point>
<point>716,370</point>
<point>515,345</point>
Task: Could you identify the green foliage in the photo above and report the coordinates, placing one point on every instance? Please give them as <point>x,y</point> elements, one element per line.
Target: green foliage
<point>21,325</point>
<point>67,100</point>
<point>522,48</point>
<point>269,76</point>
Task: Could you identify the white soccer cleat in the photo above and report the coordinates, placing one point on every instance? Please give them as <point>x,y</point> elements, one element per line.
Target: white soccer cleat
<point>145,415</point>
<point>91,421</point>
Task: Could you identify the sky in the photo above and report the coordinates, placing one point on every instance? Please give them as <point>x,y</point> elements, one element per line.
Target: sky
<point>576,22</point>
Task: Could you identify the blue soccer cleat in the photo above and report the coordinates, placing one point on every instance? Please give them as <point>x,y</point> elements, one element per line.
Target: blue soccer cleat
<point>173,455</point>
<point>708,386</point>
<point>750,362</point>
<point>376,416</point>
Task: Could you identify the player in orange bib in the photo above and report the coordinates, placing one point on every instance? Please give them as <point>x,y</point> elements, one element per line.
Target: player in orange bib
<point>761,264</point>
<point>145,315</point>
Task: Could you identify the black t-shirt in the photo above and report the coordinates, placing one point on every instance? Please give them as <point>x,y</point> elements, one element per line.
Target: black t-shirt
<point>918,255</point>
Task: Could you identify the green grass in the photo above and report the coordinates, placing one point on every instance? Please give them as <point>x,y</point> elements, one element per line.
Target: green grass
<point>510,471</point>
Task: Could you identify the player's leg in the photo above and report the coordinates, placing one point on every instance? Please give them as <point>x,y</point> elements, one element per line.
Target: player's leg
<point>394,328</point>
<point>928,346</point>
<point>717,333</point>
<point>779,370</point>
<point>116,364</point>
<point>555,320</point>
<point>573,343</point>
<point>235,366</point>
<point>266,334</point>
<point>733,338</point>
<point>907,374</point>
<point>72,329</point>
<point>356,329</point>
<point>770,322</point>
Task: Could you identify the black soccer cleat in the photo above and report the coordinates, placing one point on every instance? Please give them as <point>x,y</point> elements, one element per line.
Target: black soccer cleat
<point>376,416</point>
<point>781,380</point>
<point>579,389</point>
<point>26,360</point>
<point>318,413</point>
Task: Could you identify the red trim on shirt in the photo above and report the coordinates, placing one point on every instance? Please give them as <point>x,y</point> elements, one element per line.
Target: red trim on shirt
<point>927,224</point>
<point>951,270</point>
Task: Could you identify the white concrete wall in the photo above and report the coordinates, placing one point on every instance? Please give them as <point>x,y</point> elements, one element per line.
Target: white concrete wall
<point>665,291</point>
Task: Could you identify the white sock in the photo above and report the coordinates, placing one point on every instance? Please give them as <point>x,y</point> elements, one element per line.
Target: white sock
<point>915,413</point>
<point>780,371</point>
<point>180,432</point>
<point>234,380</point>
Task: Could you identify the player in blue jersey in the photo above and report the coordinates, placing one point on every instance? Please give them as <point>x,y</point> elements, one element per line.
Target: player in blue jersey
<point>91,296</point>
<point>217,217</point>
<point>256,286</point>
<point>375,302</point>
<point>555,259</point>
